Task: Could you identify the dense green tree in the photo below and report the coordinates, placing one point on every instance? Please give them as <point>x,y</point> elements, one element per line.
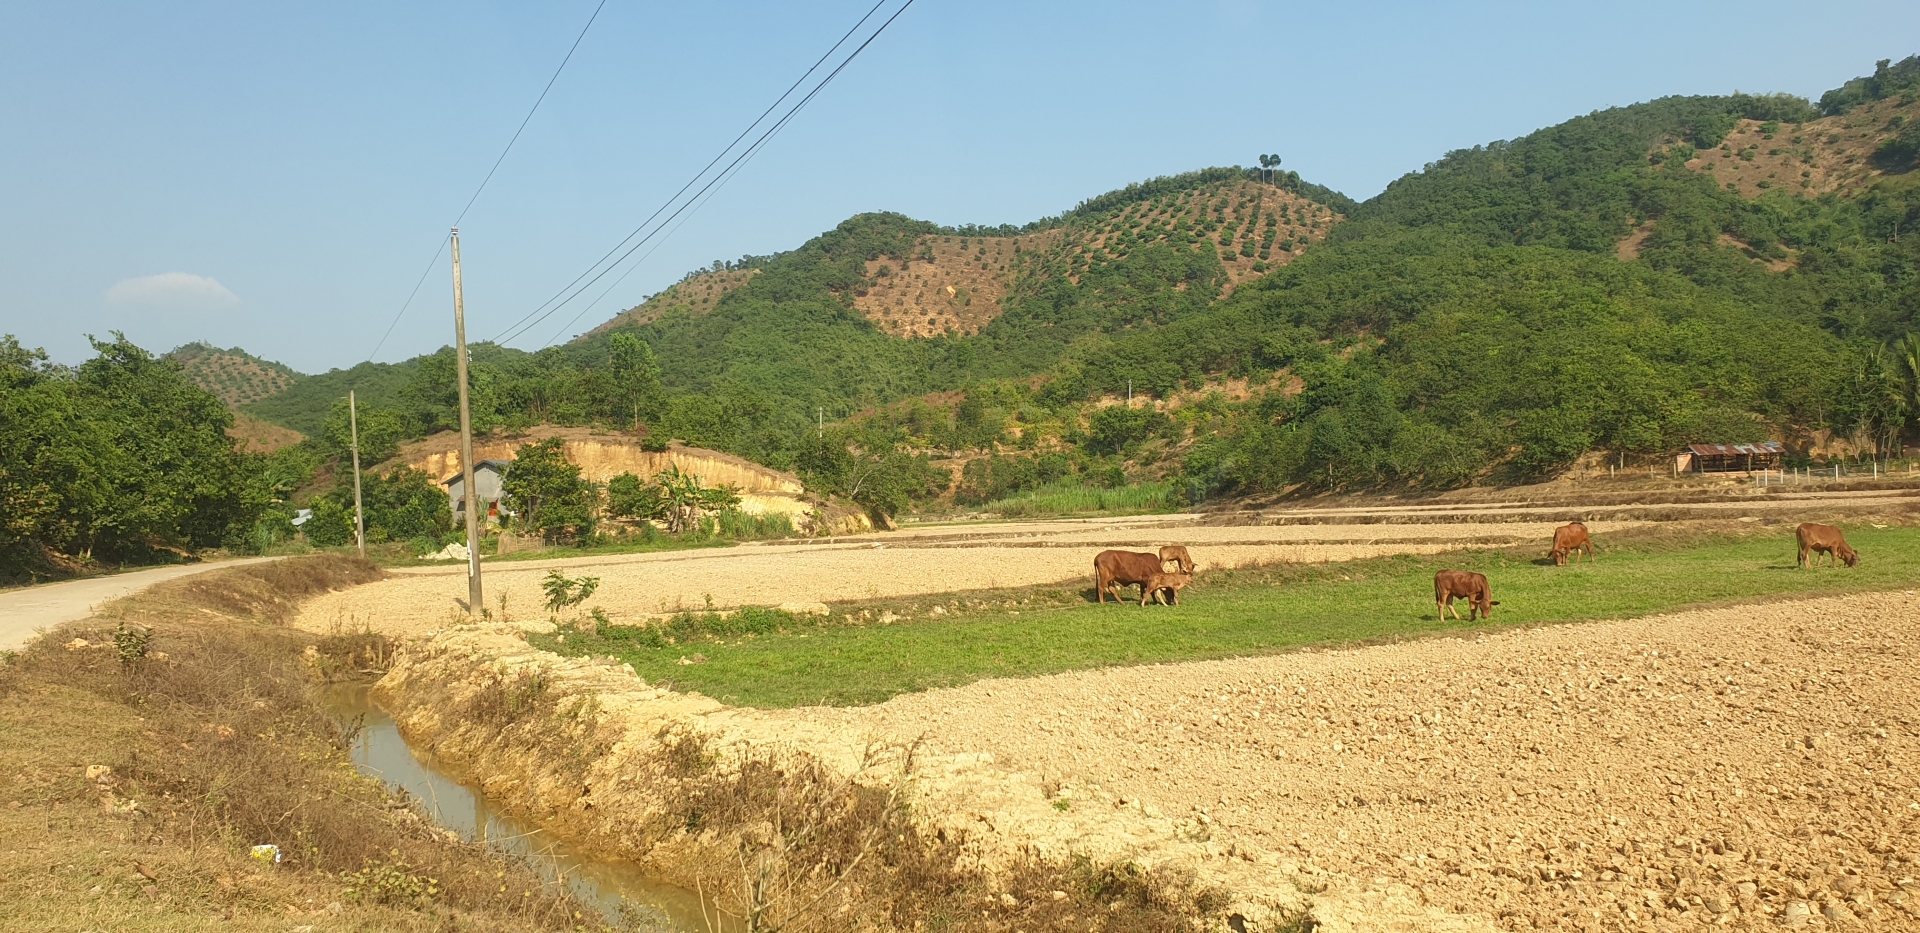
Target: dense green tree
<point>636,378</point>
<point>546,494</point>
<point>402,504</point>
<point>121,458</point>
<point>381,431</point>
<point>869,467</point>
<point>629,496</point>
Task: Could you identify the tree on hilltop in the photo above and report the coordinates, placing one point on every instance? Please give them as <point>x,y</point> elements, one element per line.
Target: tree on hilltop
<point>1269,164</point>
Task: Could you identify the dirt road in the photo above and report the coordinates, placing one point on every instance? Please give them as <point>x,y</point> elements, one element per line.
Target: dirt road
<point>1741,767</point>
<point>26,611</point>
<point>930,560</point>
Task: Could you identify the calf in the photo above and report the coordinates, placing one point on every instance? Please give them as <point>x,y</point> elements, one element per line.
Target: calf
<point>1168,583</point>
<point>1463,584</point>
<point>1570,538</point>
<point>1824,539</point>
<point>1183,562</point>
<point>1115,569</point>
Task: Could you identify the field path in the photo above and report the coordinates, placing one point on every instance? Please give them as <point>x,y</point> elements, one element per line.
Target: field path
<point>29,609</point>
<point>927,560</point>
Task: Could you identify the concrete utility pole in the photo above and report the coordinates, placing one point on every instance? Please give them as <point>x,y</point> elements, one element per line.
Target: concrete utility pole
<point>474,601</point>
<point>359,514</point>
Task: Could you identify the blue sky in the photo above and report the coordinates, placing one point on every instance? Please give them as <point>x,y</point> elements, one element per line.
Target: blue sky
<point>276,176</point>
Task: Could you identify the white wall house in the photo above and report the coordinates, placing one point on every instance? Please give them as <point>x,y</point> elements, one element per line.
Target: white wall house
<point>486,487</point>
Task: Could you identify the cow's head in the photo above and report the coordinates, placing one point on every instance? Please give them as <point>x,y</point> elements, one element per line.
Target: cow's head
<point>1851,556</point>
<point>1559,555</point>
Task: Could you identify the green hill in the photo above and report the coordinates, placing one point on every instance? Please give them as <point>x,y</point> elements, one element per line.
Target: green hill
<point>303,406</point>
<point>234,376</point>
<point>1718,268</point>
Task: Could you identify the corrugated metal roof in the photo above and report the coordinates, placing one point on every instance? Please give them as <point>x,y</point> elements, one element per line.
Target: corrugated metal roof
<point>1737,450</point>
<point>498,466</point>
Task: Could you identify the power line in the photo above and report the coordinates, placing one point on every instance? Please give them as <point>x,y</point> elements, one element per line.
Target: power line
<point>516,327</point>
<point>698,202</point>
<point>571,291</point>
<point>536,106</point>
<point>483,182</point>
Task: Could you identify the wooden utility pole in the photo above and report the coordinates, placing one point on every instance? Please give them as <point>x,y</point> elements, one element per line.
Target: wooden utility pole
<point>474,602</point>
<point>359,514</point>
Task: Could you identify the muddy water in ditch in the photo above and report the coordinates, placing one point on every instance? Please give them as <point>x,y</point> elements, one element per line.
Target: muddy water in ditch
<point>620,892</point>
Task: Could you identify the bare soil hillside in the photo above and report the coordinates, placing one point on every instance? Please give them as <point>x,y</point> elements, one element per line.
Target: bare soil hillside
<point>234,376</point>
<point>954,284</point>
<point>1830,154</point>
<point>257,436</point>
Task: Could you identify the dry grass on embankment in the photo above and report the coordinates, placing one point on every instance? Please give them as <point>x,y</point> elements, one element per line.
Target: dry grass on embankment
<point>215,744</point>
<point>779,838</point>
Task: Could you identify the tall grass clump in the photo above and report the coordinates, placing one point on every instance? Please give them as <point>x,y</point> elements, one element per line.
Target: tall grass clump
<point>1062,499</point>
<point>741,526</point>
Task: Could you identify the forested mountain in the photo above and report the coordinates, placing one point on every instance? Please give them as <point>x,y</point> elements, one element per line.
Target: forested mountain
<point>1691,268</point>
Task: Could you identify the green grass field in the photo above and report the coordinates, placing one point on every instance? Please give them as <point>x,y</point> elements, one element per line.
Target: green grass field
<point>767,659</point>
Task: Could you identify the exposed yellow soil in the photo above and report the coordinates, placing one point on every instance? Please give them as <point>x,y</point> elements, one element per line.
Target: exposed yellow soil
<point>265,437</point>
<point>602,455</point>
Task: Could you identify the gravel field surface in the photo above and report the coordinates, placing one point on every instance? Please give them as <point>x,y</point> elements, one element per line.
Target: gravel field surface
<point>1744,768</point>
<point>633,586</point>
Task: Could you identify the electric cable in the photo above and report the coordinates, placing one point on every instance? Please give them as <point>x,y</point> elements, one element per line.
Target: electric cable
<point>516,327</point>
<point>483,182</point>
<point>724,173</point>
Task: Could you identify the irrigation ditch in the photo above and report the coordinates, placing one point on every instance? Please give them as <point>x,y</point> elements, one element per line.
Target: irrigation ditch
<point>624,897</point>
<point>790,821</point>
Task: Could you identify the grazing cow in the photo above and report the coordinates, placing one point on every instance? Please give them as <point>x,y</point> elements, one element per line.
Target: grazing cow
<point>1571,538</point>
<point>1463,584</point>
<point>1824,539</point>
<point>1179,556</point>
<point>1115,569</point>
<point>1168,583</point>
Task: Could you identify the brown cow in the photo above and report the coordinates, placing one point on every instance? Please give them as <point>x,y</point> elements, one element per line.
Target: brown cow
<point>1178,554</point>
<point>1571,538</point>
<point>1115,569</point>
<point>1463,584</point>
<point>1168,583</point>
<point>1824,539</point>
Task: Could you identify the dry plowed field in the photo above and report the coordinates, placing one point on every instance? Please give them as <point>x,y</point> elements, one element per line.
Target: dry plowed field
<point>1746,767</point>
<point>1742,766</point>
<point>931,560</point>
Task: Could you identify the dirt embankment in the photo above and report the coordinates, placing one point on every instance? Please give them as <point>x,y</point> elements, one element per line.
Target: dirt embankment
<point>591,750</point>
<point>602,456</point>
